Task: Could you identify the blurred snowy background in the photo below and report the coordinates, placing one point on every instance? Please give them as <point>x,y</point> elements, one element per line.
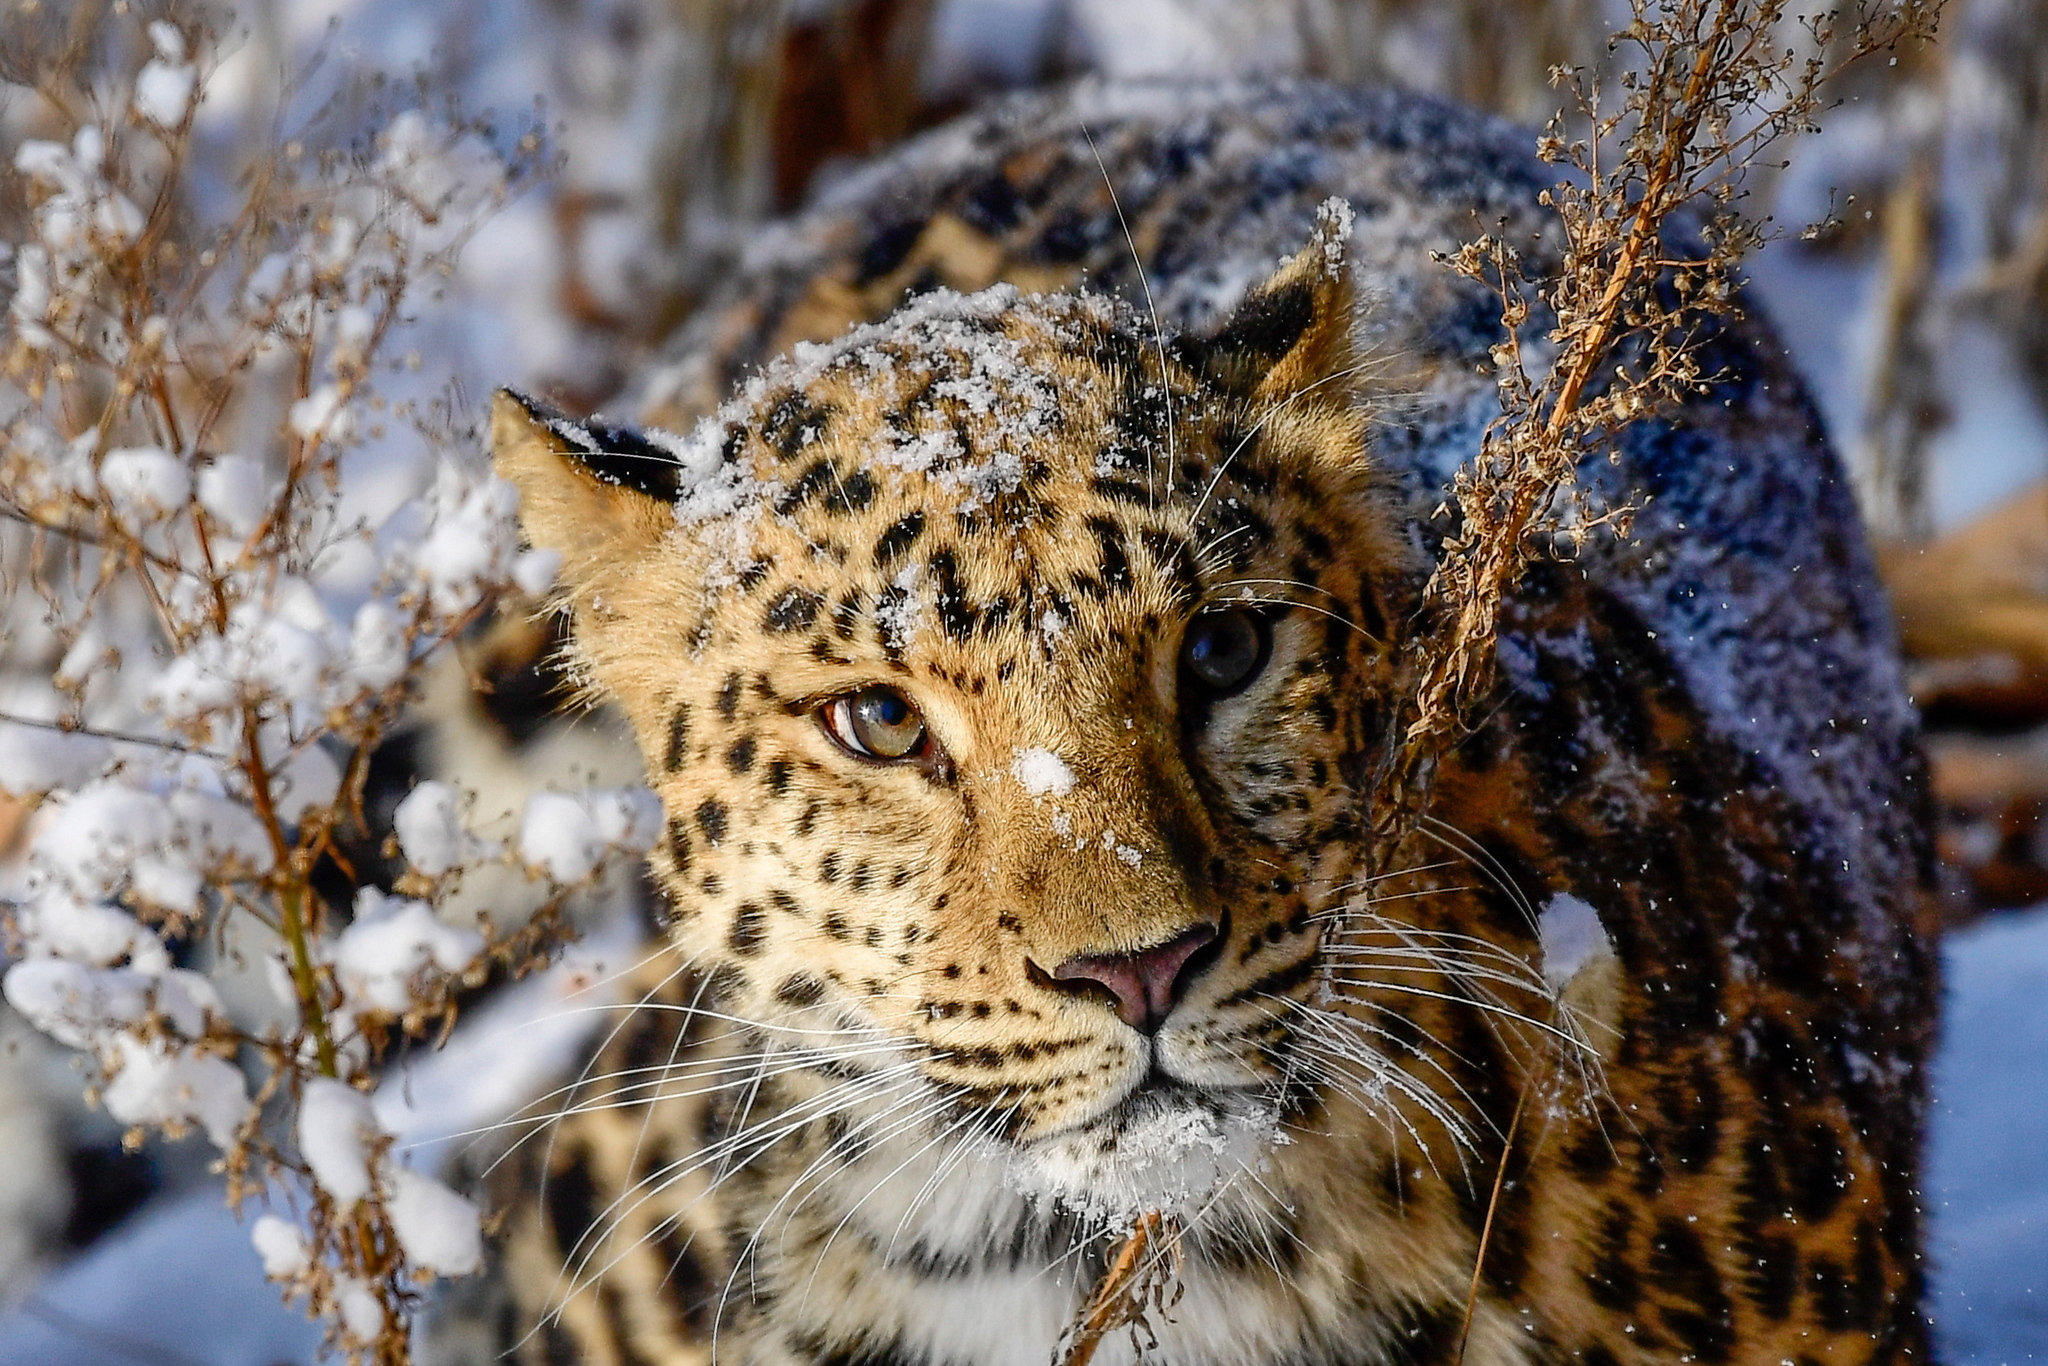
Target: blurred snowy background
<point>1919,314</point>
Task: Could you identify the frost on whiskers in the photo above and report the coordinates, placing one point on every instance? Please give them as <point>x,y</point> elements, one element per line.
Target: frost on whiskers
<point>1153,1155</point>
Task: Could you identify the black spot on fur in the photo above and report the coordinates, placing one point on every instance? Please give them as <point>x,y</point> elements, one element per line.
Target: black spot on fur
<point>1772,1278</point>
<point>685,1284</point>
<point>892,544</point>
<point>740,757</point>
<point>1611,1279</point>
<point>800,989</point>
<point>1122,491</point>
<point>793,610</point>
<point>749,928</point>
<point>794,423</point>
<point>673,753</point>
<point>571,1199</point>
<point>711,819</point>
<point>886,250</point>
<point>1700,1314</point>
<point>1113,562</point>
<point>1176,559</point>
<point>851,494</point>
<point>956,614</point>
<point>816,476</point>
<point>1425,1335</point>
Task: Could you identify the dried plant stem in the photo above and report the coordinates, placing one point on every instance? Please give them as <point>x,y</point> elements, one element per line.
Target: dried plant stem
<point>1500,1178</point>
<point>1628,311</point>
<point>1127,1288</point>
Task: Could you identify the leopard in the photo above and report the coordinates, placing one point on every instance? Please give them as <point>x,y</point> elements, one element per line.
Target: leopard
<point>1013,580</point>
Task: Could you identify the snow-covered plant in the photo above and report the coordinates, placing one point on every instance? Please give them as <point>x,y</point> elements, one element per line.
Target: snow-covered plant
<point>235,527</point>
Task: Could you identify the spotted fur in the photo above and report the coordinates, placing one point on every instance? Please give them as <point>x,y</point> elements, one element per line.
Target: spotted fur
<point>860,1121</point>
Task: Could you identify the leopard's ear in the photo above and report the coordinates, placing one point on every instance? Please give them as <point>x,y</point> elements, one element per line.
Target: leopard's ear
<point>601,495</point>
<point>1293,336</point>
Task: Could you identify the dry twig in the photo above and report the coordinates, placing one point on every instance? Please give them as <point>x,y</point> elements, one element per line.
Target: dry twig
<point>1137,1284</point>
<point>1636,292</point>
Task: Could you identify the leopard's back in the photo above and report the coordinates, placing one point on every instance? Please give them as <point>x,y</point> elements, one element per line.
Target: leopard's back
<point>1701,731</point>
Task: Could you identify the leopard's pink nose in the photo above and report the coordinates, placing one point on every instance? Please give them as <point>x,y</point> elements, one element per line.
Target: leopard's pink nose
<point>1146,984</point>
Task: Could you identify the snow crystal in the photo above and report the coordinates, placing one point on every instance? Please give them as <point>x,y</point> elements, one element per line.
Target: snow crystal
<point>145,484</point>
<point>429,830</point>
<point>163,91</point>
<point>335,1127</point>
<point>474,539</point>
<point>79,1006</point>
<point>169,883</point>
<point>939,343</point>
<point>282,1247</point>
<point>1571,937</point>
<point>377,653</point>
<point>444,178</point>
<point>534,571</point>
<point>391,940</point>
<point>1166,1156</point>
<point>439,1229</point>
<point>95,834</point>
<point>34,760</point>
<point>235,490</point>
<point>168,40</point>
<point>901,610</point>
<point>557,835</point>
<point>86,931</point>
<point>700,453</point>
<point>222,834</point>
<point>1042,773</point>
<point>354,328</point>
<point>362,1313</point>
<point>1334,219</point>
<point>322,415</point>
<point>187,690</point>
<point>626,818</point>
<point>158,1083</point>
<point>279,650</point>
<point>1127,853</point>
<point>565,836</point>
<point>88,654</point>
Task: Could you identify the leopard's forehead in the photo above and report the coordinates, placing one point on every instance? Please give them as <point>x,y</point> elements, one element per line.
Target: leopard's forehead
<point>973,404</point>
<point>977,462</point>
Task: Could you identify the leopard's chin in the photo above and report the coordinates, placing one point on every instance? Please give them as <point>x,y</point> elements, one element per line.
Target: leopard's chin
<point>1166,1147</point>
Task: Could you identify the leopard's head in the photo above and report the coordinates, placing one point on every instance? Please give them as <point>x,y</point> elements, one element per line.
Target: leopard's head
<point>1012,677</point>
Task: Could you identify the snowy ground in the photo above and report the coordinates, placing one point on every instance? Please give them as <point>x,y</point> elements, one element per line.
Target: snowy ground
<point>180,1285</point>
<point>1989,1156</point>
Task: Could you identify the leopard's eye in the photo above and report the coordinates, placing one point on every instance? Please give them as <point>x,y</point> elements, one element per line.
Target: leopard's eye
<point>875,723</point>
<point>1224,651</point>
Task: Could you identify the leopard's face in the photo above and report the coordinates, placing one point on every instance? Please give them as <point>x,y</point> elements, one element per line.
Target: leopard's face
<point>1009,684</point>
